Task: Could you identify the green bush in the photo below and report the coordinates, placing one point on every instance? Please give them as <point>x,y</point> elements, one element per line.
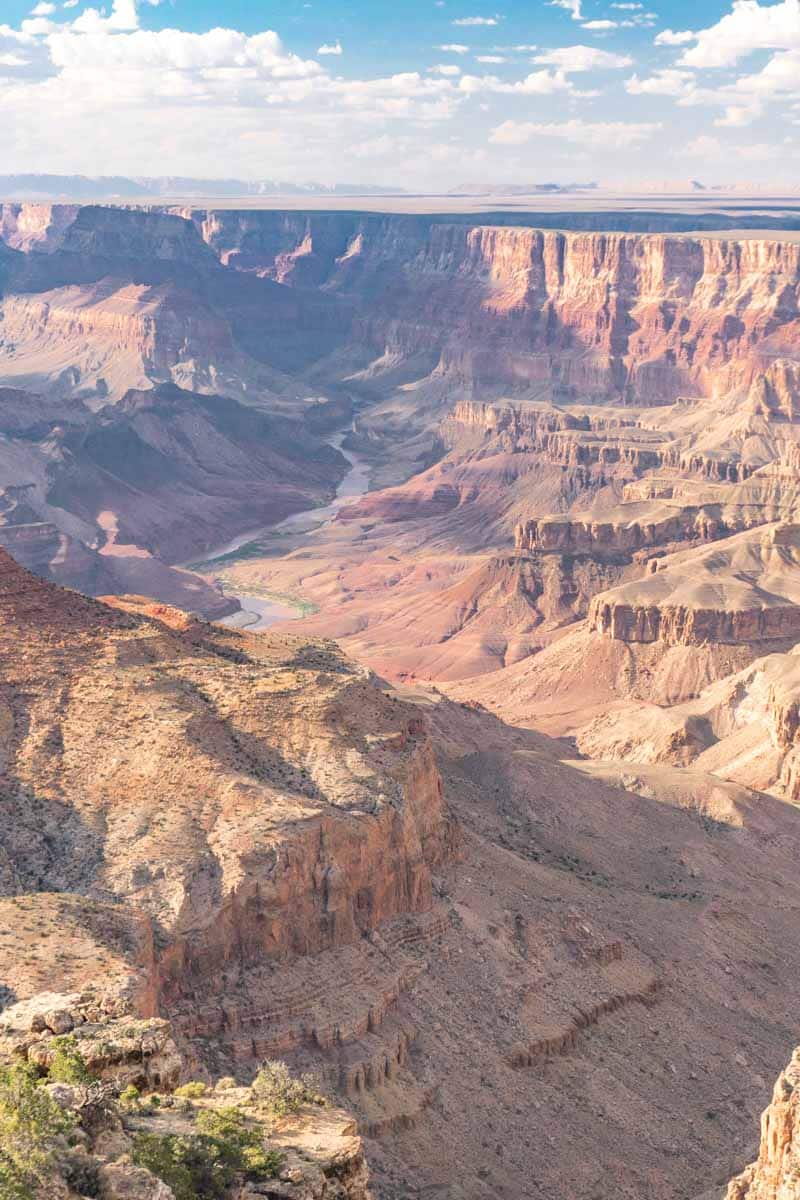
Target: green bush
<point>130,1097</point>
<point>202,1166</point>
<point>240,1145</point>
<point>191,1091</point>
<point>30,1124</point>
<point>68,1065</point>
<point>177,1163</point>
<point>280,1092</point>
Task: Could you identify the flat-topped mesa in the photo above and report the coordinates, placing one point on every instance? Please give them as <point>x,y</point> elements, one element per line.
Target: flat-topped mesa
<point>743,590</point>
<point>636,527</point>
<point>776,1173</point>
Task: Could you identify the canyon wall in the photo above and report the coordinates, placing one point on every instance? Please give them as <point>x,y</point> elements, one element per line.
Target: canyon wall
<point>638,318</point>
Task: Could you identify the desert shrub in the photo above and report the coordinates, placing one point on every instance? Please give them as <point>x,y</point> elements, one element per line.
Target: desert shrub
<point>175,1161</point>
<point>202,1166</point>
<point>68,1065</point>
<point>225,1084</point>
<point>240,1145</point>
<point>280,1092</point>
<point>30,1125</point>
<point>192,1090</point>
<point>82,1174</point>
<point>130,1097</point>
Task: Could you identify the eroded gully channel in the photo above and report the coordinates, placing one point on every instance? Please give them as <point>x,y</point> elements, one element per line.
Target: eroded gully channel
<point>259,612</point>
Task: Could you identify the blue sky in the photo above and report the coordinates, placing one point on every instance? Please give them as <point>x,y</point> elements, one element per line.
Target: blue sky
<point>415,92</point>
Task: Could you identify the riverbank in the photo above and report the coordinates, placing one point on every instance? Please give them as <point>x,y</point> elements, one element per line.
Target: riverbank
<point>259,611</point>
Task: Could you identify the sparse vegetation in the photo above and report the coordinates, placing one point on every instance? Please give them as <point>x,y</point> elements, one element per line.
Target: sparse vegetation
<point>279,1092</point>
<point>241,1145</point>
<point>130,1097</point>
<point>192,1090</point>
<point>31,1124</point>
<point>203,1166</point>
<point>68,1065</point>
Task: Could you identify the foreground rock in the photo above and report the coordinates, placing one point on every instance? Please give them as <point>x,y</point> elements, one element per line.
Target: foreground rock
<point>123,1114</point>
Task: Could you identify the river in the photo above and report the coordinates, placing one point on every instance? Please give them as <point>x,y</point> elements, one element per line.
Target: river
<point>259,612</point>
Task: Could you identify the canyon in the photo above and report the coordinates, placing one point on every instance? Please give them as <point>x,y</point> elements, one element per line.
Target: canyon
<point>498,836</point>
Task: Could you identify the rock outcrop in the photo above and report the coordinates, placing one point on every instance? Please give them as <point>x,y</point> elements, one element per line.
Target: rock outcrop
<point>742,592</point>
<point>776,1173</point>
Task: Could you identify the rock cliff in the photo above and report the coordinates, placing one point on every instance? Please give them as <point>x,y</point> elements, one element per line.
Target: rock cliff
<point>599,316</point>
<point>740,592</point>
<point>776,1173</point>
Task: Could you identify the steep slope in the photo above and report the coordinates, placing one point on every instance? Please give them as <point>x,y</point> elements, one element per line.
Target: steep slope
<point>258,840</point>
<point>657,380</point>
<point>476,309</point>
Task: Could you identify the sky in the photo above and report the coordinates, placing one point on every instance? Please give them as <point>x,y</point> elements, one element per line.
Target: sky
<point>420,94</point>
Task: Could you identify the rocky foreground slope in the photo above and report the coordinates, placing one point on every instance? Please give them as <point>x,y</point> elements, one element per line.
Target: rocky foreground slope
<point>523,981</point>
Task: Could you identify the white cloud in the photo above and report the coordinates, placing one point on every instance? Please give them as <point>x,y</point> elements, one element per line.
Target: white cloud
<point>749,26</point>
<point>476,21</point>
<point>671,37</point>
<point>327,48</point>
<point>573,7</point>
<point>711,149</point>
<point>600,26</point>
<point>583,58</point>
<point>123,18</point>
<point>627,7</point>
<point>43,10</point>
<point>608,135</point>
<point>538,83</point>
<point>746,98</point>
<point>703,146</point>
<point>129,97</point>
<point>70,4</point>
<point>669,82</point>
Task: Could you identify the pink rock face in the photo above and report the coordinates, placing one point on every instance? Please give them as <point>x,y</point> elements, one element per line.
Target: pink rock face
<point>638,317</point>
<point>630,317</point>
